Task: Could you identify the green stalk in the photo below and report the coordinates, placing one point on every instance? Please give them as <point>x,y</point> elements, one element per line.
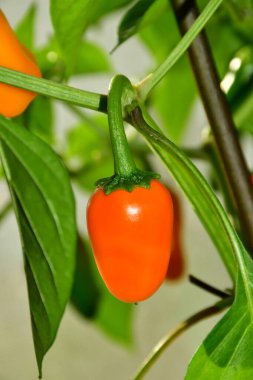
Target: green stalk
<point>126,175</point>
<point>123,161</point>
<point>55,90</point>
<point>146,85</point>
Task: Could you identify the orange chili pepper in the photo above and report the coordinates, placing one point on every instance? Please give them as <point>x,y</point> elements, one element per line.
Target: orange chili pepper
<point>131,233</point>
<point>15,56</point>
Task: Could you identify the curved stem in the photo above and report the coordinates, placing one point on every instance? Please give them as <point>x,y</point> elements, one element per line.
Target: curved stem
<point>123,161</point>
<point>55,90</point>
<point>146,85</point>
<point>172,335</point>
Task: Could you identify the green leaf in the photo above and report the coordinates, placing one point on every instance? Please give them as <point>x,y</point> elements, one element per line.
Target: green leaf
<point>131,20</point>
<point>174,98</point>
<point>70,20</point>
<point>25,28</point>
<point>98,168</point>
<point>39,118</point>
<point>239,95</point>
<point>115,318</point>
<point>85,296</point>
<point>221,32</point>
<point>45,211</point>
<point>241,13</point>
<point>91,59</point>
<point>88,147</point>
<point>86,140</point>
<point>226,353</point>
<point>101,8</point>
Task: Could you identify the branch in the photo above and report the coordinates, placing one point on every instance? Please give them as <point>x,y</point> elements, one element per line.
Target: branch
<point>220,119</point>
<point>55,90</point>
<point>172,335</point>
<point>207,287</point>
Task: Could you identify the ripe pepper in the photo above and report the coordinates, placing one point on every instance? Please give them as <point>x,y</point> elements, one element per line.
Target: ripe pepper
<point>130,233</point>
<point>176,267</point>
<point>15,56</point>
<point>129,217</point>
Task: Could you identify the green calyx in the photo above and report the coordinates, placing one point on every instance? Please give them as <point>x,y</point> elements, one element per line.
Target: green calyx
<point>137,178</point>
<point>121,98</point>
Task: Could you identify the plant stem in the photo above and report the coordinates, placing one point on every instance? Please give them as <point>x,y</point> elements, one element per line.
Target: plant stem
<point>220,119</point>
<point>55,90</point>
<point>146,85</point>
<point>123,161</point>
<point>207,287</point>
<point>172,335</point>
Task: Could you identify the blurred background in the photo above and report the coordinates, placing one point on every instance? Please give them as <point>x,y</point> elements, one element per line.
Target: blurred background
<point>86,349</point>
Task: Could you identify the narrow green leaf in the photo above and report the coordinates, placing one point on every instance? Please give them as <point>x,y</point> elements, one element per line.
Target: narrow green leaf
<point>115,318</point>
<point>131,20</point>
<point>45,211</point>
<point>39,118</point>
<point>25,28</point>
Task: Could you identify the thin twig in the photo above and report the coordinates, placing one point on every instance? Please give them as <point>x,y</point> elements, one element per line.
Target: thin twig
<point>172,335</point>
<point>209,288</point>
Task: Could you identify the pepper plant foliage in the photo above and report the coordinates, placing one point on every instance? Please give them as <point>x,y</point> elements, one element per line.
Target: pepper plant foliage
<point>58,264</point>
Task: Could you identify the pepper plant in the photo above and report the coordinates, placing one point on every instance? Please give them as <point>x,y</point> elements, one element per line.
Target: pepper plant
<point>40,177</point>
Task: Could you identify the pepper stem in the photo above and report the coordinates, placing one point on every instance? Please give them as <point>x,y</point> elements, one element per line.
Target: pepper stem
<point>126,175</point>
<point>123,161</point>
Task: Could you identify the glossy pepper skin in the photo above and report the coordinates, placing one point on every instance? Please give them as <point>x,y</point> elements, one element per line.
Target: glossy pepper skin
<point>130,233</point>
<point>176,266</point>
<point>15,56</point>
